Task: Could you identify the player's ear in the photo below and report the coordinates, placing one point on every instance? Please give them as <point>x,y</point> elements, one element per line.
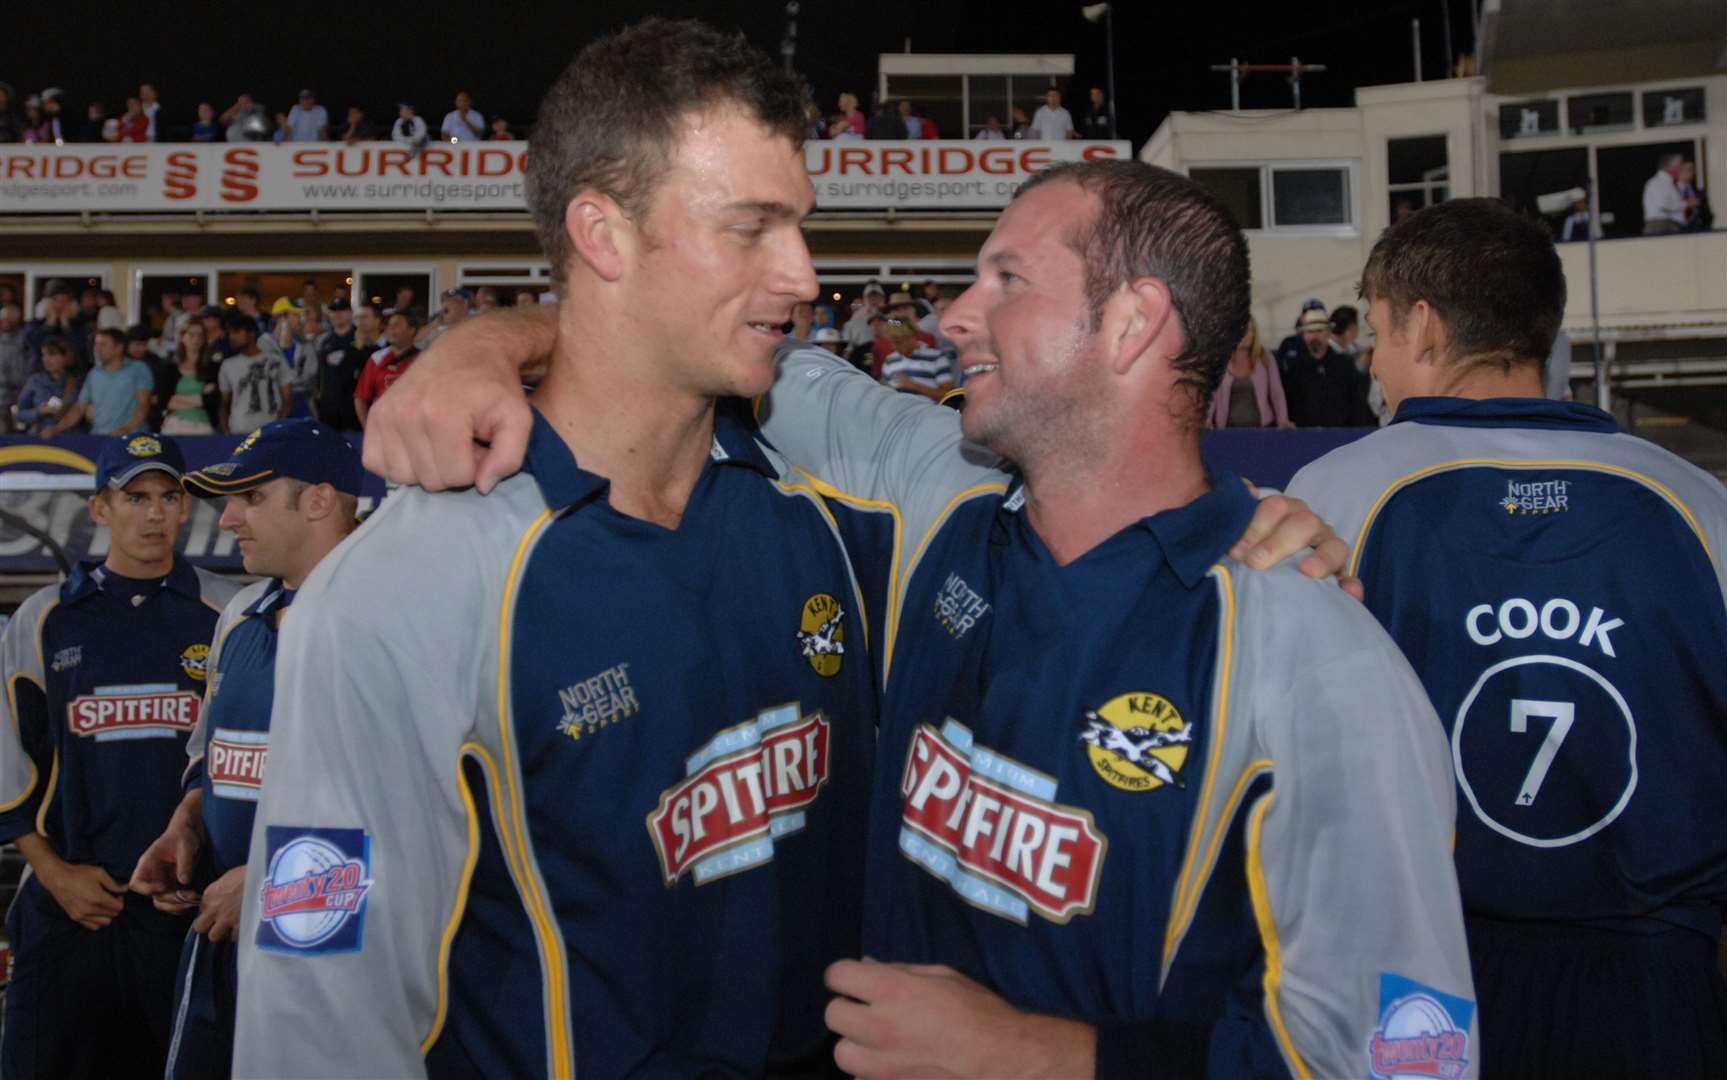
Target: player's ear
<point>1135,318</point>
<point>99,507</point>
<point>1427,333</point>
<point>596,226</point>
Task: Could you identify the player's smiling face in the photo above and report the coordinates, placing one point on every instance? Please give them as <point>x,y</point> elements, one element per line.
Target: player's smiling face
<point>143,520</point>
<point>1024,329</point>
<point>722,258</point>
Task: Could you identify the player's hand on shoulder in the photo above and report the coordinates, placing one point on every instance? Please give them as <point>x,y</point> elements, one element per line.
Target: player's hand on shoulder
<point>87,894</point>
<point>219,911</point>
<point>458,417</point>
<point>1283,526</point>
<point>928,1020</point>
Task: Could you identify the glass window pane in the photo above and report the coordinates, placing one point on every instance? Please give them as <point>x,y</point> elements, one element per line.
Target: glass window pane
<point>988,98</point>
<point>1310,196</point>
<point>1684,106</point>
<point>1238,189</point>
<point>1525,177</point>
<point>1591,112</point>
<point>1623,171</point>
<point>1413,161</point>
<point>1528,118</point>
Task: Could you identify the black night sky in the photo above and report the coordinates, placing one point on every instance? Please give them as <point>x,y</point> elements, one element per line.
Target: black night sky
<point>507,53</point>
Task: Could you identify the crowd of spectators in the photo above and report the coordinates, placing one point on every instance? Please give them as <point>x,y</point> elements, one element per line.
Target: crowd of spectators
<point>190,368</point>
<point>43,118</point>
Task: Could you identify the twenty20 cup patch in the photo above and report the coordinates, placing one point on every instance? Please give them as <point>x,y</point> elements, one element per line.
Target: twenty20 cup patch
<point>313,898</point>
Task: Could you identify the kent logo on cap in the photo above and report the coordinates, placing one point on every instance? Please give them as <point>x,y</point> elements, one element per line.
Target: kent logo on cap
<point>303,449</point>
<point>126,456</point>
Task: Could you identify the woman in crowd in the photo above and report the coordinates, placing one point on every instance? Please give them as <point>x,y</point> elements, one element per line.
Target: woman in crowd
<point>854,116</point>
<point>186,390</point>
<point>1251,394</point>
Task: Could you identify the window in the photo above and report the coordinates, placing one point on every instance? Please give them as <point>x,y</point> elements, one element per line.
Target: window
<point>1526,176</point>
<point>1623,170</point>
<point>1238,189</point>
<point>1310,196</point>
<point>936,97</point>
<point>1523,118</point>
<point>1600,112</point>
<point>1418,173</point>
<point>1681,106</point>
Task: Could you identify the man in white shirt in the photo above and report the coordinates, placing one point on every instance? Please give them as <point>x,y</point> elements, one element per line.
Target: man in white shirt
<point>992,129</point>
<point>409,130</point>
<point>464,123</point>
<point>1663,206</point>
<point>1051,122</point>
<point>307,120</point>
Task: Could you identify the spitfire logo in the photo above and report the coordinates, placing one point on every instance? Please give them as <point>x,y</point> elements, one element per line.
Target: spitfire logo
<point>991,828</point>
<point>236,763</point>
<point>1138,742</point>
<point>1421,1032</point>
<point>195,660</point>
<point>144,446</point>
<point>744,790</point>
<point>822,633</point>
<point>133,712</point>
<point>313,896</point>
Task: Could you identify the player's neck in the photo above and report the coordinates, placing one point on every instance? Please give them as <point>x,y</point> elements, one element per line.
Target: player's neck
<point>120,563</point>
<point>1481,383</point>
<point>624,425</point>
<point>1076,502</point>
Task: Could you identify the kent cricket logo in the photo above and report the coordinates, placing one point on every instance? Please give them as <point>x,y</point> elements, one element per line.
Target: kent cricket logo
<point>991,828</point>
<point>195,660</point>
<point>821,634</point>
<point>1137,742</point>
<point>744,790</point>
<point>313,896</point>
<point>144,446</point>
<point>145,711</point>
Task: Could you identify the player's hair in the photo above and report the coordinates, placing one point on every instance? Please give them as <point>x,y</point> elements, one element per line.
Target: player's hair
<point>407,313</point>
<point>1151,222</point>
<point>1491,274</point>
<point>57,345</point>
<point>113,335</point>
<point>239,320</point>
<point>1342,318</point>
<point>613,117</point>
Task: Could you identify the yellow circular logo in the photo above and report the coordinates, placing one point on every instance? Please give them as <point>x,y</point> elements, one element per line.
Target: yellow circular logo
<point>1138,742</point>
<point>144,446</point>
<point>194,660</point>
<point>246,444</point>
<point>821,634</point>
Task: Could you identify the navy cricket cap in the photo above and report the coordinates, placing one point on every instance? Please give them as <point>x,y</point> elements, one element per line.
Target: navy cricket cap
<point>303,449</point>
<point>125,456</point>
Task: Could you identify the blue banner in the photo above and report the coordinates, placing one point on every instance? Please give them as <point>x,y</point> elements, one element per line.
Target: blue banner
<point>1266,457</point>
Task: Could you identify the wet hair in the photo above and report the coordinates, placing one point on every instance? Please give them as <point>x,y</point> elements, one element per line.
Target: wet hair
<point>1490,273</point>
<point>613,117</point>
<point>1152,222</point>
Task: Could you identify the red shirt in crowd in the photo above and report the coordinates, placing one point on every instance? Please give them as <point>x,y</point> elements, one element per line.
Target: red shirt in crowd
<point>382,370</point>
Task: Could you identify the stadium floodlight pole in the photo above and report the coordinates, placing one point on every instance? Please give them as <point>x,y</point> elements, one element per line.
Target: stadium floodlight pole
<point>1092,13</point>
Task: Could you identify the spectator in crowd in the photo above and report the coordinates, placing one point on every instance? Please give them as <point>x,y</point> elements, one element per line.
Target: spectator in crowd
<point>1345,323</point>
<point>909,120</point>
<point>486,299</point>
<point>828,338</point>
<point>247,302</point>
<point>407,300</point>
<point>1320,384</point>
<point>308,121</point>
<point>409,130</point>
<point>848,106</point>
<point>841,130</point>
<point>1664,208</point>
<point>464,122</point>
<point>859,334</point>
<point>115,397</point>
<point>53,128</point>
<point>107,310</point>
<point>913,365</point>
<point>1099,121</point>
<point>151,105</point>
<point>501,131</point>
<point>309,296</point>
<point>930,324</point>
<point>802,323</point>
<point>95,121</point>
<point>387,365</point>
<point>886,124</point>
<point>1021,125</point>
<point>187,395</point>
<point>352,340</point>
<point>256,386</point>
<point>900,306</point>
<point>1576,223</point>
<point>166,311</point>
<point>245,120</point>
<point>33,125</point>
<point>11,124</point>
<point>61,318</point>
<point>17,358</point>
<point>206,129</point>
<point>1051,122</point>
<point>1699,217</point>
<point>992,129</point>
<point>138,344</point>
<point>1251,393</point>
<point>458,305</point>
<point>818,125</point>
<point>50,392</point>
<point>215,338</point>
<point>357,129</point>
<point>525,296</point>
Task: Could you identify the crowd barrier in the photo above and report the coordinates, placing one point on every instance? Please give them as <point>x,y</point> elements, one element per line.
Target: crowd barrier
<point>45,485</point>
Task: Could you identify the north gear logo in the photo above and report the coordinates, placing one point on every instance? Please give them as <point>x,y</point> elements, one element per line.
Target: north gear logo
<point>1535,497</point>
<point>144,446</point>
<point>67,658</point>
<point>1138,742</point>
<point>821,634</point>
<point>195,661</point>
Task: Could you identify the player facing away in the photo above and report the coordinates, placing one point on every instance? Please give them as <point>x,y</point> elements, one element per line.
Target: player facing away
<point>1135,809</point>
<point>291,491</point>
<point>574,778</point>
<point>1558,585</point>
<point>105,676</point>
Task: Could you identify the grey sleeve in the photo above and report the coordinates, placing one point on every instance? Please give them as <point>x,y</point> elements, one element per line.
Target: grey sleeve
<point>1350,854</point>
<point>872,443</point>
<point>22,660</point>
<point>219,590</point>
<point>377,700</point>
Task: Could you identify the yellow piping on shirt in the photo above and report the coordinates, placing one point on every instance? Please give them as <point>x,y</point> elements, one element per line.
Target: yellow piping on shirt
<point>1268,937</point>
<point>448,937</point>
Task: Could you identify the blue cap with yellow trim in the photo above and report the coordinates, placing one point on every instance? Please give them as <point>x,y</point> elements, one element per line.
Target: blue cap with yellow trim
<point>303,449</point>
<point>125,456</point>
